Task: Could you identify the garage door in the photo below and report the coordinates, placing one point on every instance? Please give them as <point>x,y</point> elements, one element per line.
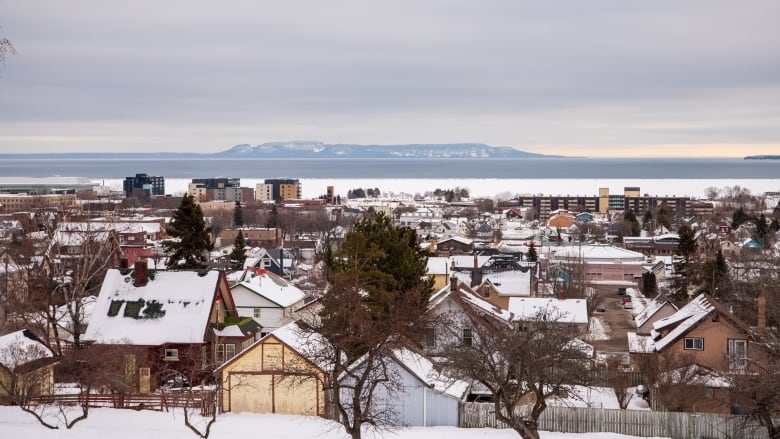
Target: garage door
<point>251,393</point>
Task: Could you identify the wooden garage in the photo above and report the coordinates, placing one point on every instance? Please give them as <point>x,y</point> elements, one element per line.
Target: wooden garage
<point>273,376</point>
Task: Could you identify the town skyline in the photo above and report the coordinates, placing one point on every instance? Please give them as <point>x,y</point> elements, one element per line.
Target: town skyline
<point>610,79</point>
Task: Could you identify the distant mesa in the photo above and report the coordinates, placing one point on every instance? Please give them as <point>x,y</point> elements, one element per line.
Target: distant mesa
<point>316,149</point>
<point>763,157</point>
<point>313,149</point>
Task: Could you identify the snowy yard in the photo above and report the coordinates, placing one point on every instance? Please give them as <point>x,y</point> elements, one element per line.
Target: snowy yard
<point>120,424</point>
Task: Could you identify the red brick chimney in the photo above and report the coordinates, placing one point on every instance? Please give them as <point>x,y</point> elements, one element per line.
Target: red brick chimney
<point>141,273</point>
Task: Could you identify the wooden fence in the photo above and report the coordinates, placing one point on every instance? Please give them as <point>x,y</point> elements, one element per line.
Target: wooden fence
<point>676,425</point>
<point>201,400</point>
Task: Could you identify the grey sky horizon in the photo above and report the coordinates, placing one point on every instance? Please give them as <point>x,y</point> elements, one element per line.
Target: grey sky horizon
<point>595,78</point>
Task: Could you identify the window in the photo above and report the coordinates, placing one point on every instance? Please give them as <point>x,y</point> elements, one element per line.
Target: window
<point>467,337</point>
<point>230,351</point>
<point>486,291</point>
<point>257,312</point>
<point>430,338</point>
<point>171,355</point>
<point>219,353</point>
<point>737,354</point>
<point>696,344</point>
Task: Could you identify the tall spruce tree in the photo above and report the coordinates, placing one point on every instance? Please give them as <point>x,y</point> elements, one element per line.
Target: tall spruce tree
<point>532,255</point>
<point>238,255</point>
<point>238,215</point>
<point>191,250</point>
<point>377,301</point>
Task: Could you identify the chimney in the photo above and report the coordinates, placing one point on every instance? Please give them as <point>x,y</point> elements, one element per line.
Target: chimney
<point>762,314</point>
<point>123,263</point>
<point>453,282</point>
<point>141,273</point>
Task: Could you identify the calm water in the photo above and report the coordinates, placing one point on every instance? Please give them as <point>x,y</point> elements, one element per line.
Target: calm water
<point>593,168</point>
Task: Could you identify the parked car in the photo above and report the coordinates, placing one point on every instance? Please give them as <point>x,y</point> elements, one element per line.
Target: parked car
<point>601,307</point>
<point>628,305</point>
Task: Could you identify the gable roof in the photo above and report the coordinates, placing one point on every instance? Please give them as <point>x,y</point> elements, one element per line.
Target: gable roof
<point>687,317</point>
<point>174,307</point>
<point>565,310</point>
<point>271,286</point>
<point>296,337</point>
<point>21,348</point>
<point>653,307</point>
<point>423,369</point>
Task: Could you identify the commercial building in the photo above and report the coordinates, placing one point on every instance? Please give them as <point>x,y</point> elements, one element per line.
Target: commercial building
<point>219,189</point>
<point>152,185</point>
<point>278,189</point>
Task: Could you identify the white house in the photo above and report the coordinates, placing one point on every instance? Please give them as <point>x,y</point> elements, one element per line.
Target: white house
<point>267,297</point>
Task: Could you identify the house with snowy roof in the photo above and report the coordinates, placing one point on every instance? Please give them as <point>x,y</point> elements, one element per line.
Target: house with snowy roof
<point>177,317</point>
<point>26,367</point>
<point>572,312</point>
<point>456,245</point>
<point>657,309</point>
<point>267,298</point>
<point>707,334</point>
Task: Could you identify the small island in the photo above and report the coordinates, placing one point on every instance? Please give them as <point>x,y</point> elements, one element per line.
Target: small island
<point>763,157</point>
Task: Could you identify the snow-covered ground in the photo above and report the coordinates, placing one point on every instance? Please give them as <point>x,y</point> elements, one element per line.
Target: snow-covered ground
<point>120,424</point>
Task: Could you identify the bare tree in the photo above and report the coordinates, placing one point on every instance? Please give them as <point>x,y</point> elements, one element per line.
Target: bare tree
<point>522,368</point>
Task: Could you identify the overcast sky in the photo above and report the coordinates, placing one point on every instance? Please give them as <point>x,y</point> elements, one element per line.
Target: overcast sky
<point>594,78</point>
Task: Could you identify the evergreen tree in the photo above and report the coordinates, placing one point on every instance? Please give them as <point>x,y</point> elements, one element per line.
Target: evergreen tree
<point>687,245</point>
<point>632,225</point>
<point>194,238</point>
<point>238,255</point>
<point>739,217</point>
<point>532,256</point>
<point>685,248</point>
<point>649,285</point>
<point>238,215</point>
<point>273,218</point>
<point>761,233</point>
<point>385,265</point>
<point>647,220</point>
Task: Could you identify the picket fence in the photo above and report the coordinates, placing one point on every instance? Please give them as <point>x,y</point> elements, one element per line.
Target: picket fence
<point>676,425</point>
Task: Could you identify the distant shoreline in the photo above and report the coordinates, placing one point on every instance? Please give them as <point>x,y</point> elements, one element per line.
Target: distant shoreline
<point>763,157</point>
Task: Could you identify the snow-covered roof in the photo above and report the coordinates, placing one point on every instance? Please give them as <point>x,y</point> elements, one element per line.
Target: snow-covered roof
<point>272,287</point>
<point>685,318</point>
<point>564,310</point>
<point>305,342</point>
<point>511,282</point>
<point>78,237</point>
<point>423,369</point>
<point>21,347</point>
<point>598,253</point>
<point>653,307</point>
<point>640,344</point>
<point>174,307</point>
<point>442,265</point>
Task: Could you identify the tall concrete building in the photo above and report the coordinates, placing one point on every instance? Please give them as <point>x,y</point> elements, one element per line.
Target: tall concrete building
<point>219,189</point>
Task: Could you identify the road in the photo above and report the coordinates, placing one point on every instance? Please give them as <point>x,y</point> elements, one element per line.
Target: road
<point>619,321</point>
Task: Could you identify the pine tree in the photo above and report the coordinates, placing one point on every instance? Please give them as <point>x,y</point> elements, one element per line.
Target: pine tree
<point>238,215</point>
<point>632,224</point>
<point>194,238</point>
<point>532,256</point>
<point>238,255</point>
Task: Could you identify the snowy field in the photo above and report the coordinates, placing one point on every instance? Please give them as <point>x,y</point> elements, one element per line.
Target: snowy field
<point>120,424</point>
